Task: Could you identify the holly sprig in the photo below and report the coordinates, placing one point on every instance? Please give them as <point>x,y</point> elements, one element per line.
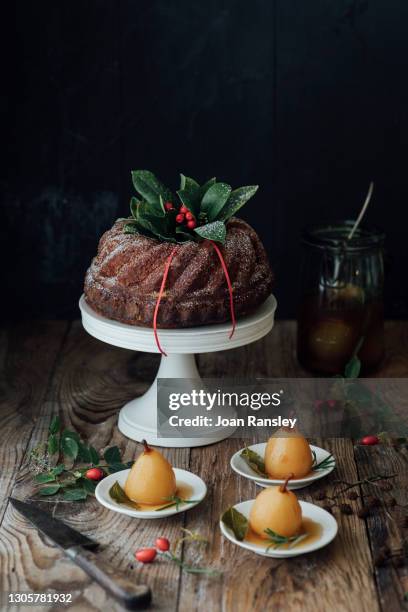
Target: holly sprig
<point>196,212</point>
<point>62,462</point>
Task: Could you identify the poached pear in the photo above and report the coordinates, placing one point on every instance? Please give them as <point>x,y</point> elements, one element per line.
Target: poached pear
<point>288,452</point>
<point>151,479</point>
<point>278,509</point>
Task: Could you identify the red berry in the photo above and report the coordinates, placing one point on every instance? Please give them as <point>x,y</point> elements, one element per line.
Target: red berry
<point>94,474</point>
<point>191,224</point>
<point>370,440</point>
<point>169,206</point>
<point>162,544</point>
<point>331,403</point>
<point>189,216</point>
<point>180,218</point>
<point>184,209</point>
<point>146,555</point>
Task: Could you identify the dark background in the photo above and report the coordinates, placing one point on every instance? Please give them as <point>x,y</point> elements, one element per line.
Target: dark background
<point>308,98</point>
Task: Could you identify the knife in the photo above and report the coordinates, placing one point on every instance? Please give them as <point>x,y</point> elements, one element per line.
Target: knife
<point>80,549</point>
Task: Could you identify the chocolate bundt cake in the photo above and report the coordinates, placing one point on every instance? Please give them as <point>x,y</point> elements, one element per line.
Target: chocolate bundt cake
<point>168,253</point>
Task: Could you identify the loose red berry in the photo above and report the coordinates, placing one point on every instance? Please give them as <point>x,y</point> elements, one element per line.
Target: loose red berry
<point>146,555</point>
<point>169,206</point>
<point>370,440</point>
<point>189,216</point>
<point>191,224</point>
<point>184,209</point>
<point>94,474</point>
<point>162,544</point>
<point>180,218</point>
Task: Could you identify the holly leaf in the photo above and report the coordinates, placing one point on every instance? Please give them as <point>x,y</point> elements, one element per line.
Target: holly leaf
<point>189,184</point>
<point>67,433</point>
<point>182,235</point>
<point>150,187</point>
<point>117,467</point>
<point>42,478</point>
<point>214,199</point>
<point>51,490</point>
<point>58,469</point>
<point>112,455</point>
<point>237,522</point>
<point>204,188</point>
<point>75,494</point>
<point>88,485</point>
<point>236,200</point>
<point>212,231</point>
<point>130,228</point>
<point>94,455</point>
<point>55,425</point>
<point>69,447</point>
<point>53,444</point>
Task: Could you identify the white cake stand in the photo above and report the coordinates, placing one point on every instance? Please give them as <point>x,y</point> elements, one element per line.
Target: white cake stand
<point>138,418</point>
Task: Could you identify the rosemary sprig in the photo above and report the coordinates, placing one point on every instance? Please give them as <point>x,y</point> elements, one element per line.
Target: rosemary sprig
<point>325,464</point>
<point>190,569</point>
<point>278,540</point>
<point>177,501</point>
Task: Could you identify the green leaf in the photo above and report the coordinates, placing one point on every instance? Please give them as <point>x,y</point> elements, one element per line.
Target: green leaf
<point>134,203</point>
<point>67,433</point>
<point>255,462</point>
<point>58,469</point>
<point>353,367</point>
<point>212,231</point>
<point>214,199</point>
<point>237,522</point>
<point>88,485</point>
<point>55,425</point>
<point>183,236</point>
<point>94,455</point>
<point>150,187</point>
<point>189,184</point>
<point>119,496</point>
<point>237,199</point>
<point>130,228</point>
<point>42,478</point>
<point>69,447</point>
<point>204,188</point>
<point>75,494</point>
<point>51,490</point>
<point>84,453</point>
<point>116,466</point>
<point>53,444</point>
<point>190,200</point>
<point>112,455</point>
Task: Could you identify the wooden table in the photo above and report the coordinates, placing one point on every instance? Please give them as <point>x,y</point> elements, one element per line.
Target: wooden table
<point>55,367</point>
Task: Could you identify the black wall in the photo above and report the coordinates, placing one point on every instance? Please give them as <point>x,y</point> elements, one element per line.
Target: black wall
<point>308,98</point>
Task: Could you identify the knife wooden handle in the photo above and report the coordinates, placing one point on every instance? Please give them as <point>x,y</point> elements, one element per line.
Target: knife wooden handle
<point>132,596</point>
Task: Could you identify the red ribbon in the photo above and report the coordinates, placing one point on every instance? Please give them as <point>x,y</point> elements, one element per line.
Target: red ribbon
<point>163,285</point>
<point>227,278</point>
<point>159,297</point>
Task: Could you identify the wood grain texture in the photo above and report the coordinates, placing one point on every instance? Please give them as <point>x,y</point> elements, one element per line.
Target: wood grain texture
<point>87,386</point>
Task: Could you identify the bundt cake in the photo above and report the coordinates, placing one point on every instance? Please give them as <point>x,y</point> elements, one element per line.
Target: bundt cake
<point>194,259</point>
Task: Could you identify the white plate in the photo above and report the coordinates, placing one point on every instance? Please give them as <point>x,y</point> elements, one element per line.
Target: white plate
<point>310,511</point>
<point>241,467</point>
<point>198,486</point>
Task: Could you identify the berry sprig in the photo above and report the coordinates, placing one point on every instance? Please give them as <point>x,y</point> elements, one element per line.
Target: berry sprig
<point>197,212</point>
<point>162,547</point>
<point>67,466</point>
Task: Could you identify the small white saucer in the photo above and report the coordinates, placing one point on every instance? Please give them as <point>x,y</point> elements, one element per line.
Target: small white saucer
<point>240,466</point>
<point>198,492</point>
<point>310,511</point>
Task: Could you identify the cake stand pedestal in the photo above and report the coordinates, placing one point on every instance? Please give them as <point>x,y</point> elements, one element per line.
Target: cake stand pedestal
<point>138,418</point>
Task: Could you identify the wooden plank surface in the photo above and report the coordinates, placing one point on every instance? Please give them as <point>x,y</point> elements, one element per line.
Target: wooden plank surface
<point>90,381</point>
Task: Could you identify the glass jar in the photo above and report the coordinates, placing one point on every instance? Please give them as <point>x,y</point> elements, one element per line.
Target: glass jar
<point>341,308</point>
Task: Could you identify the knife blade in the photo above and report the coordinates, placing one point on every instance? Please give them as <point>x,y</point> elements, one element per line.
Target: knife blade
<point>80,549</point>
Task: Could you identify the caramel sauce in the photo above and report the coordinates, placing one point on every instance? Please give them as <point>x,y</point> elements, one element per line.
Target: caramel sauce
<point>183,490</point>
<point>313,530</point>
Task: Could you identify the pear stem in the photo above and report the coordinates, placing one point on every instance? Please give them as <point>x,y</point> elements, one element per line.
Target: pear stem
<point>147,448</point>
<point>283,487</point>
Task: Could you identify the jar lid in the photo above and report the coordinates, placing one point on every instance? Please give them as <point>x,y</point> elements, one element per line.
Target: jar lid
<point>334,236</point>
